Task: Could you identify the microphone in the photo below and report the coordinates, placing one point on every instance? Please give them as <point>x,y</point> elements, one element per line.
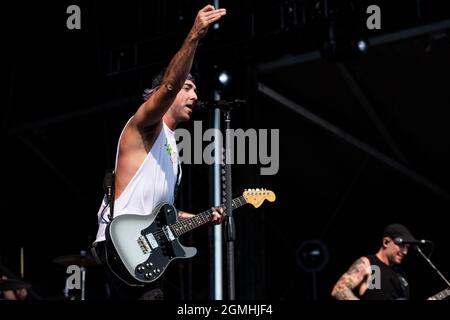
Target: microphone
<point>399,240</point>
<point>220,104</point>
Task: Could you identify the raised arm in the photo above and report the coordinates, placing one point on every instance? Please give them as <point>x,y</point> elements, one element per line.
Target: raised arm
<point>354,279</point>
<point>152,111</point>
<point>141,132</point>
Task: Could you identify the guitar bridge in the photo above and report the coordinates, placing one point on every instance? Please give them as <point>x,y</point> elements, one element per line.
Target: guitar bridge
<point>143,244</point>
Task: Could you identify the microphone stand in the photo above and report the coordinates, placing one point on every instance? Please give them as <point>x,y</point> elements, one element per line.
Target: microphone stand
<point>417,248</point>
<point>230,230</point>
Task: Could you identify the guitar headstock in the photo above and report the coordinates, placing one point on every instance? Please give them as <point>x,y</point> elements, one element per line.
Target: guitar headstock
<point>257,196</point>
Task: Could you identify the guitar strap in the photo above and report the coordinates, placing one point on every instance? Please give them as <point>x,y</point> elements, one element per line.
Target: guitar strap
<point>109,188</point>
<point>177,182</point>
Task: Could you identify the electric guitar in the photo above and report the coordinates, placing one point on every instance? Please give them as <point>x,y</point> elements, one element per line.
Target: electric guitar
<point>442,295</point>
<point>140,247</point>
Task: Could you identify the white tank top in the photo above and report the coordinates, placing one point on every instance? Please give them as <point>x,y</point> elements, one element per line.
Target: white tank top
<point>154,182</point>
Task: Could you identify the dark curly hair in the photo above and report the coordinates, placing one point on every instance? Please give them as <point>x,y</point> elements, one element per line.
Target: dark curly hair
<point>156,82</point>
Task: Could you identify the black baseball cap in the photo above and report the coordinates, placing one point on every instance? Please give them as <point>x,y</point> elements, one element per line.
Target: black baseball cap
<point>397,230</point>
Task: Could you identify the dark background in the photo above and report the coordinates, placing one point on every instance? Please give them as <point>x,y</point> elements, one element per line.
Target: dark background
<point>69,92</point>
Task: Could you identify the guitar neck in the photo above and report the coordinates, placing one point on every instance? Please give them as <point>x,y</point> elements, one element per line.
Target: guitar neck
<point>181,227</point>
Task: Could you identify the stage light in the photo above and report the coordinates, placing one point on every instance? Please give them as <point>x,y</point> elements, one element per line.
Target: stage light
<point>224,78</point>
<point>362,46</point>
<point>312,255</point>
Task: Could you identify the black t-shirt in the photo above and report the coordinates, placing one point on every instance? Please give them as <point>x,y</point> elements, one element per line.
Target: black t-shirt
<point>389,284</point>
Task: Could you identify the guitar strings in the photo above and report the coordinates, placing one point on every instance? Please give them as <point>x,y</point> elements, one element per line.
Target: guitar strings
<point>160,235</point>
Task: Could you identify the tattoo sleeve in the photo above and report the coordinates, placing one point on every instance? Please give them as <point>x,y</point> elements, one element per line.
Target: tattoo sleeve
<point>358,267</point>
<point>344,289</point>
<point>355,275</point>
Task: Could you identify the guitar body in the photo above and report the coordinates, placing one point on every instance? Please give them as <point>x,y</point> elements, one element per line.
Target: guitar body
<point>139,248</point>
<point>144,245</point>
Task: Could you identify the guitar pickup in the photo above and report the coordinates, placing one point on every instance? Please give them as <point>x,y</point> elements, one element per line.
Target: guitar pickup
<point>168,233</point>
<point>152,241</point>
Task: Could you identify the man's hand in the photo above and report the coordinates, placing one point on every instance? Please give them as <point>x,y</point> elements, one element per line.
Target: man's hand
<point>216,218</point>
<point>19,294</point>
<point>217,215</point>
<point>205,17</point>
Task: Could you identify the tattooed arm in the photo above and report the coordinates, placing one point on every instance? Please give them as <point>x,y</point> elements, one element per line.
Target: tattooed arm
<point>151,112</point>
<point>355,278</point>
